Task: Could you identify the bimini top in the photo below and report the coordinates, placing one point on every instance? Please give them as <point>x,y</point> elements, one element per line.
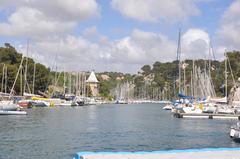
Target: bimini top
<point>92,78</point>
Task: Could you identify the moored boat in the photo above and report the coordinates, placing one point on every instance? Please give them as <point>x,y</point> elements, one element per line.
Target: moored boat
<point>235,132</point>
<point>121,101</point>
<point>168,107</point>
<point>192,110</point>
<point>25,103</point>
<point>224,110</point>
<point>209,108</point>
<point>5,112</point>
<point>8,106</point>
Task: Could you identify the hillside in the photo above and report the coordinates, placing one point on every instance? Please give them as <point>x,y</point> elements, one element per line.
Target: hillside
<point>151,81</point>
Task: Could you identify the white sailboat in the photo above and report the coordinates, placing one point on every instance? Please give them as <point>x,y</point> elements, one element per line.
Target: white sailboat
<point>8,107</point>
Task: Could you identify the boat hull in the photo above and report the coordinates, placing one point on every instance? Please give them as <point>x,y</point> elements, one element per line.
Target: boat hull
<point>4,112</point>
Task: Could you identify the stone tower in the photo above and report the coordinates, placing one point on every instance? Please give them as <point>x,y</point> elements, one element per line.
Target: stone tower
<point>92,82</point>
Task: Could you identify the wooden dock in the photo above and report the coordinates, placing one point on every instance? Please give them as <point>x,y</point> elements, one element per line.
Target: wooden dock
<point>210,153</point>
<point>207,116</point>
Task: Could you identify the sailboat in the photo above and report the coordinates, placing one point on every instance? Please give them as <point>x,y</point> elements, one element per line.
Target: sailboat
<point>8,107</point>
<point>4,103</point>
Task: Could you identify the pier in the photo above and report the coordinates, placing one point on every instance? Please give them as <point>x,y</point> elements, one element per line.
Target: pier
<point>207,116</point>
<point>209,153</point>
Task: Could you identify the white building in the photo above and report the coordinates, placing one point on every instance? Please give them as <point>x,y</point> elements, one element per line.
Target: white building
<point>93,82</point>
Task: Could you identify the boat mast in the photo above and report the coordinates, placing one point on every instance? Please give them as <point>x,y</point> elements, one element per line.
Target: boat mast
<point>6,80</point>
<point>64,80</point>
<point>34,73</point>
<point>226,75</point>
<point>21,81</point>
<point>179,61</point>
<point>3,76</point>
<point>20,67</point>
<point>84,85</point>
<point>184,79</point>
<point>25,73</point>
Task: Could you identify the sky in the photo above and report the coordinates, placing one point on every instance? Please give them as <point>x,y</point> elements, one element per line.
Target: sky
<point>119,35</point>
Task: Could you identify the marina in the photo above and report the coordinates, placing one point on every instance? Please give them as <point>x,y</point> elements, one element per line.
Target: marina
<point>119,79</point>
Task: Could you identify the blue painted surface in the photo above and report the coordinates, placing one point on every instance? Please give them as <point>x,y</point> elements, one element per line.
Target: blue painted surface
<point>80,154</point>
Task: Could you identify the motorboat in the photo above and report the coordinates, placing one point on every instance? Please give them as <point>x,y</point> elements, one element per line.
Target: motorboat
<point>121,101</point>
<point>168,107</point>
<point>209,108</point>
<point>235,132</point>
<point>68,103</point>
<point>40,103</point>
<point>224,110</point>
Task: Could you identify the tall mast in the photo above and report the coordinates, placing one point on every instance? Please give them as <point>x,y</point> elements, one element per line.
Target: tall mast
<point>6,80</point>
<point>193,79</point>
<point>20,66</point>
<point>226,75</point>
<point>21,81</point>
<point>34,73</point>
<point>179,61</point>
<point>184,79</point>
<point>3,76</point>
<point>84,87</point>
<point>25,73</point>
<point>70,83</point>
<point>64,80</point>
<point>191,88</point>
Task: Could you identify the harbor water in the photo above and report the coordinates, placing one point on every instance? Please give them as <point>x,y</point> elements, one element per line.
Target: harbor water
<point>60,132</point>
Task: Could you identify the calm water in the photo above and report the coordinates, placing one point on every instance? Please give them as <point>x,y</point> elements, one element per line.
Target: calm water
<point>60,132</point>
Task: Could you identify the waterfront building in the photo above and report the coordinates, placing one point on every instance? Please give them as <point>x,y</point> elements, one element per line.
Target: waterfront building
<point>93,83</point>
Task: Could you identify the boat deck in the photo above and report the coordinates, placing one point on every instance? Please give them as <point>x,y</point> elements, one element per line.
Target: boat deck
<point>210,153</point>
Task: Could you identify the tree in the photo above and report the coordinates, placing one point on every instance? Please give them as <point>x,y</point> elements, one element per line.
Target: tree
<point>146,69</point>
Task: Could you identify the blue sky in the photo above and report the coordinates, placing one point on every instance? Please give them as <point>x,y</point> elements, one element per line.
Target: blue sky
<point>118,35</point>
<point>111,20</point>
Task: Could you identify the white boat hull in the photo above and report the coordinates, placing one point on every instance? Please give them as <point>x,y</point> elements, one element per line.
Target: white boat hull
<point>4,112</point>
<point>8,106</point>
<point>168,107</point>
<point>192,110</point>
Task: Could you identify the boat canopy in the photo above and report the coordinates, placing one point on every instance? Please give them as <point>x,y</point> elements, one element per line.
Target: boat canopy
<point>180,95</point>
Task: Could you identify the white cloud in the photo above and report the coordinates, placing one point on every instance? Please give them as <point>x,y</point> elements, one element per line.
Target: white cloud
<point>93,35</point>
<point>36,19</point>
<point>67,10</point>
<point>8,3</point>
<point>195,44</point>
<point>229,31</point>
<point>30,22</point>
<point>127,54</point>
<point>155,10</point>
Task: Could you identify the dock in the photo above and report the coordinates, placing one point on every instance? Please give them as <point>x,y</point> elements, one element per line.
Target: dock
<point>207,116</point>
<point>208,153</point>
